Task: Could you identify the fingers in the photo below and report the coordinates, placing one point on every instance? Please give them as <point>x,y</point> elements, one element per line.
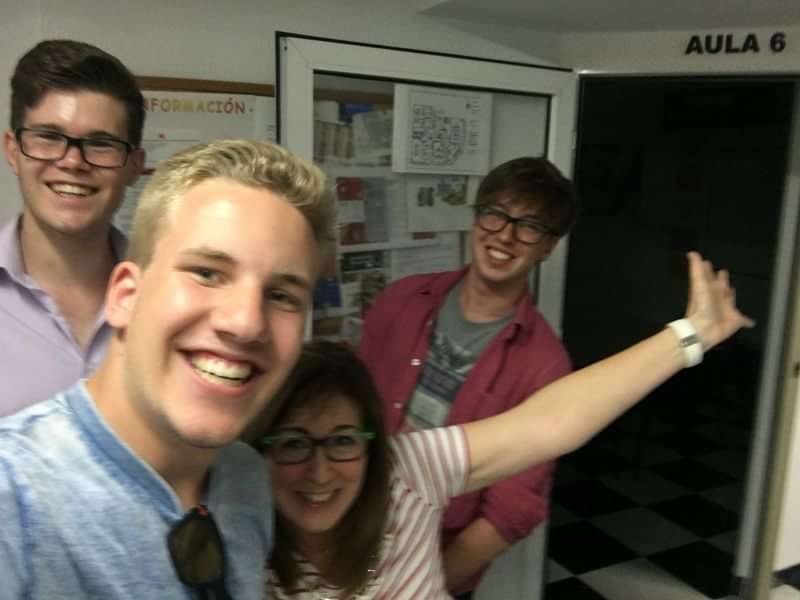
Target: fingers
<point>708,270</point>
<point>724,278</point>
<point>701,271</point>
<point>727,296</point>
<point>717,286</point>
<point>724,290</point>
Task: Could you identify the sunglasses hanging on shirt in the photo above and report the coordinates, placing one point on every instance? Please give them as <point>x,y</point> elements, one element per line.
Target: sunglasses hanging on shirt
<point>198,554</point>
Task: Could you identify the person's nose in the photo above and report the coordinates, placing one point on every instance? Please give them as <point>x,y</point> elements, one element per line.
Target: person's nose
<point>320,468</point>
<point>73,159</point>
<point>241,314</point>
<point>507,234</point>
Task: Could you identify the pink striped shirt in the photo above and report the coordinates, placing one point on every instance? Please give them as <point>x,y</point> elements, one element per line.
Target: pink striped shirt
<point>428,468</point>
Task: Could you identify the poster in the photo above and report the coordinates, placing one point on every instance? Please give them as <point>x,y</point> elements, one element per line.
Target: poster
<point>363,215</point>
<point>349,134</point>
<point>363,277</point>
<point>341,299</point>
<point>372,136</point>
<point>439,130</point>
<point>176,120</point>
<point>443,256</point>
<point>437,203</point>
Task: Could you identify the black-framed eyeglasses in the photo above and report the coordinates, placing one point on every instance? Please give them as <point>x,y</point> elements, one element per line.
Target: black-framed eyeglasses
<point>104,151</point>
<point>292,447</point>
<point>198,554</point>
<point>526,229</point>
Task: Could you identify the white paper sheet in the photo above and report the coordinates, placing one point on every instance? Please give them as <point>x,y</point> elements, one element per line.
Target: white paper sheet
<point>439,130</point>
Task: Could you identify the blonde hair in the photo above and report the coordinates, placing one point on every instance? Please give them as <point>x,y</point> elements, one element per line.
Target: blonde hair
<point>249,162</point>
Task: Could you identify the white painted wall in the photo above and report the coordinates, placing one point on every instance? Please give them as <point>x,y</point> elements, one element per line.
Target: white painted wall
<point>234,40</point>
<point>664,52</point>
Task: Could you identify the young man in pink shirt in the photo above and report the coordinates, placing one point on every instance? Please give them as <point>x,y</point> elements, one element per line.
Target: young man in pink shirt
<point>450,348</point>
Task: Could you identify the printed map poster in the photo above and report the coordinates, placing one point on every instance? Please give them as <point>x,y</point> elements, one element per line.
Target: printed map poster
<point>437,203</point>
<point>439,130</point>
<point>177,120</point>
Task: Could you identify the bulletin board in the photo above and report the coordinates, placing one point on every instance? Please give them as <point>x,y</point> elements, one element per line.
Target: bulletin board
<point>183,112</point>
<point>392,222</point>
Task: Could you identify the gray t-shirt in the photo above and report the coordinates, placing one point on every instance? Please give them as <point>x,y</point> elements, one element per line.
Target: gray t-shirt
<point>84,517</point>
<point>455,346</point>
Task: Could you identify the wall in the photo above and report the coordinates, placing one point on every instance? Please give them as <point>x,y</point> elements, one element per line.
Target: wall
<point>664,52</point>
<point>235,40</point>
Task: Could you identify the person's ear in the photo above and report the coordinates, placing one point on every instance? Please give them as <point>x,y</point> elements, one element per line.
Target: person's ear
<point>11,150</point>
<point>121,294</point>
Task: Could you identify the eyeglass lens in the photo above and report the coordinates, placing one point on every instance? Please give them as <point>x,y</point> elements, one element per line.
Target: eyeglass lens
<point>526,230</point>
<point>293,448</point>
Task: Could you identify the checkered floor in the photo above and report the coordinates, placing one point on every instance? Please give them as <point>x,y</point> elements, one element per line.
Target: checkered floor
<point>650,509</point>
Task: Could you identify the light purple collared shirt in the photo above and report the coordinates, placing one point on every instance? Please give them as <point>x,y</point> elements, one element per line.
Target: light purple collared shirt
<point>38,353</point>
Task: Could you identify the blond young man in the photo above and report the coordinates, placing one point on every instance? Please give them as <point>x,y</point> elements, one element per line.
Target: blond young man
<point>208,314</point>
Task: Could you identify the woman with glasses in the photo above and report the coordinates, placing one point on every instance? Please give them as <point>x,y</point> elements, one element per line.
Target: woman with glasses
<point>359,513</point>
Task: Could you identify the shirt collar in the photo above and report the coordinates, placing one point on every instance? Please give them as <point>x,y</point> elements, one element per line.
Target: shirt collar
<point>525,313</point>
<point>112,448</point>
<point>11,251</point>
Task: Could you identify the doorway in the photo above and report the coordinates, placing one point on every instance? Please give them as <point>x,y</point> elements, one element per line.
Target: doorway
<point>652,506</point>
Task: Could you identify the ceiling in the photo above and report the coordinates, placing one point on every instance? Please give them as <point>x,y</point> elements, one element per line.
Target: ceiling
<point>595,16</point>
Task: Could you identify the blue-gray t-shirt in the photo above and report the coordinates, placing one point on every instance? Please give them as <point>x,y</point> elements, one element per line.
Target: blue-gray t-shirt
<point>84,517</point>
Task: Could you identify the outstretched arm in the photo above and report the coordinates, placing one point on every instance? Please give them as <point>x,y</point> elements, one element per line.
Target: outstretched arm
<point>567,413</point>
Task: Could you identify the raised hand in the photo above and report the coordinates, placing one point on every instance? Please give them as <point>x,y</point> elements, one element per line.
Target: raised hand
<point>712,303</point>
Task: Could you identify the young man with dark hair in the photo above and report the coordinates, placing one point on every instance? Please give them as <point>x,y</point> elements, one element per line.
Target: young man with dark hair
<point>450,348</point>
<point>74,144</point>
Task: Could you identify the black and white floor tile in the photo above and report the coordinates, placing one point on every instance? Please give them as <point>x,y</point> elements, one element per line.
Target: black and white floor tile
<point>650,517</point>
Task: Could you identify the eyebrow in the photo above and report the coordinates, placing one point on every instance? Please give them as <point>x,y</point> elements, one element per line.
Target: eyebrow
<point>218,256</point>
<point>527,215</point>
<point>294,279</point>
<point>308,433</point>
<point>59,129</point>
<point>207,253</point>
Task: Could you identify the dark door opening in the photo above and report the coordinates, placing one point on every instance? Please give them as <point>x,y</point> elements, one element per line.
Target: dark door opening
<point>666,165</point>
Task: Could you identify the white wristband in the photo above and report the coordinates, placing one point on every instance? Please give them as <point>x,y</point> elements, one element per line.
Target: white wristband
<point>688,340</point>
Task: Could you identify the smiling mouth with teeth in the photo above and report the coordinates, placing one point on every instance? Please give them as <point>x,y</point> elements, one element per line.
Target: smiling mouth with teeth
<point>497,255</point>
<point>218,370</point>
<point>70,189</point>
<point>317,498</point>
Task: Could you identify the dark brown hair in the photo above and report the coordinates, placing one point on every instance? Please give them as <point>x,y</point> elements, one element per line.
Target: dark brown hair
<point>325,372</point>
<point>536,182</point>
<point>67,65</point>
